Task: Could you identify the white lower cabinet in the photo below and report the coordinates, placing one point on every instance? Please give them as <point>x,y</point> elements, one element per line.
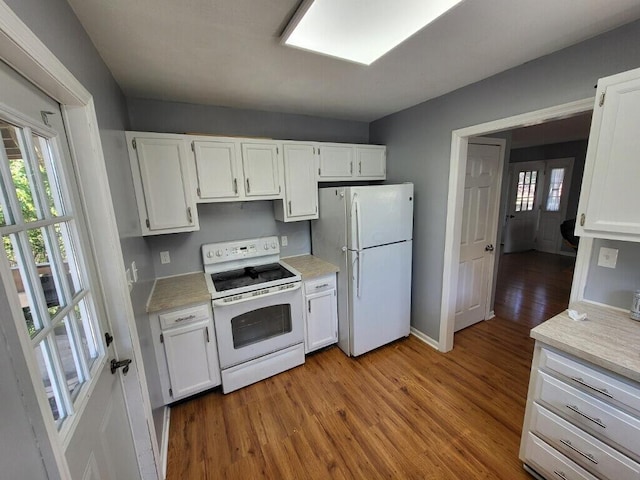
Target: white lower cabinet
<point>186,352</point>
<point>321,312</point>
<point>581,421</point>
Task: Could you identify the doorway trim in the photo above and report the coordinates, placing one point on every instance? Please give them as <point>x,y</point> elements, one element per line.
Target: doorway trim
<point>453,228</point>
<point>24,52</point>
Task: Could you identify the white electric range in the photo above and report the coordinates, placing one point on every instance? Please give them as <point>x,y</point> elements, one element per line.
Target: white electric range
<point>257,310</point>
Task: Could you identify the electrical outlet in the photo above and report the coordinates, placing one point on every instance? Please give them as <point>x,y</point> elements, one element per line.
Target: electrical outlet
<point>608,257</point>
<point>284,241</point>
<point>164,257</point>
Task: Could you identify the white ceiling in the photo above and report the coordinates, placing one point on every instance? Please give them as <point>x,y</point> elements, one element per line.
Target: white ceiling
<point>228,53</point>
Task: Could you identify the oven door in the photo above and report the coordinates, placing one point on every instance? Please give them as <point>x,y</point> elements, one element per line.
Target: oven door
<point>253,326</point>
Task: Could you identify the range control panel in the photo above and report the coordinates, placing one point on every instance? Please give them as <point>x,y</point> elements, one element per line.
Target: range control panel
<point>239,250</point>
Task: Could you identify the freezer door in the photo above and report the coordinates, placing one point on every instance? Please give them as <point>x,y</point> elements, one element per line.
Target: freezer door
<point>380,294</point>
<point>379,215</point>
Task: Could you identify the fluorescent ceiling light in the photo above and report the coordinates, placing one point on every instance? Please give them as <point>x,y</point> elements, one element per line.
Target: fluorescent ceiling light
<point>360,31</point>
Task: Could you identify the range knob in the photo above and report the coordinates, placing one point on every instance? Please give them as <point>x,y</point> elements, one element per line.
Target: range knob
<point>210,254</point>
<point>219,253</point>
<point>274,244</point>
<point>266,246</point>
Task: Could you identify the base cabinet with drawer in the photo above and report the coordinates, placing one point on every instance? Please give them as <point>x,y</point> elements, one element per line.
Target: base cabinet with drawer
<point>581,421</point>
<point>321,312</point>
<point>186,351</point>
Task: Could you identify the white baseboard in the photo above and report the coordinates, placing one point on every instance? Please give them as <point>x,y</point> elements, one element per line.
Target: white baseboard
<point>491,315</point>
<point>164,448</point>
<point>425,338</point>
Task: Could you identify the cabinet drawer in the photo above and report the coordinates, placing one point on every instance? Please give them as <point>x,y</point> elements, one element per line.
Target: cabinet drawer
<point>601,419</point>
<point>579,446</point>
<point>320,284</point>
<point>592,381</point>
<point>552,464</point>
<point>184,316</point>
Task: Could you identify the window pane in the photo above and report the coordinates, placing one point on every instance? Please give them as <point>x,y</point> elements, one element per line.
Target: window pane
<point>27,293</point>
<point>86,332</point>
<point>22,176</point>
<point>49,277</point>
<point>47,173</point>
<point>555,190</point>
<point>69,258</point>
<point>68,357</point>
<point>526,192</point>
<point>46,372</point>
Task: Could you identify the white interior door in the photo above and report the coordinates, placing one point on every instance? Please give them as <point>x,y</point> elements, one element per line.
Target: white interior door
<point>381,296</point>
<point>522,212</point>
<point>49,275</point>
<point>553,208</point>
<point>479,222</point>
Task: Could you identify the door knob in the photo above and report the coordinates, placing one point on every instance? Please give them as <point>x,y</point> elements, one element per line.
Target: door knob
<point>488,248</point>
<point>116,364</point>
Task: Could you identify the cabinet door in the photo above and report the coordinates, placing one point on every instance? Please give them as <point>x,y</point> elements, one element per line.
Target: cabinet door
<point>371,161</point>
<point>260,166</point>
<point>192,359</point>
<point>336,162</point>
<point>164,173</point>
<point>322,319</point>
<point>610,192</point>
<point>216,169</point>
<point>301,185</point>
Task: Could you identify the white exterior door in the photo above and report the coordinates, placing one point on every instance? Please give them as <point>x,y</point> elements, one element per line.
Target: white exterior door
<point>49,275</point>
<point>478,239</point>
<point>260,165</point>
<point>521,225</point>
<point>553,208</point>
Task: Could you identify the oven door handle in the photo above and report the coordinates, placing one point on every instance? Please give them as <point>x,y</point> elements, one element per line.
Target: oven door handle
<point>222,303</point>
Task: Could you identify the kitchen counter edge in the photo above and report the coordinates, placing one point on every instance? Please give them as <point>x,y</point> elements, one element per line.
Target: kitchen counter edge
<point>608,338</point>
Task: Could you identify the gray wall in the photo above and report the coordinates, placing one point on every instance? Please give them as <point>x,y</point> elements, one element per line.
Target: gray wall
<point>614,286</point>
<point>237,220</point>
<point>418,139</point>
<point>174,117</point>
<point>58,28</point>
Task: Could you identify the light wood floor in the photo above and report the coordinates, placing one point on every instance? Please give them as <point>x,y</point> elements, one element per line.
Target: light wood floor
<point>402,411</point>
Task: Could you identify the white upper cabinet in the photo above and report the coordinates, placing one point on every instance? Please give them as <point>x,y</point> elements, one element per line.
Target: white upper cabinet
<point>610,192</point>
<point>344,162</point>
<point>371,161</point>
<point>260,167</point>
<point>160,166</point>
<point>217,169</point>
<point>301,184</point>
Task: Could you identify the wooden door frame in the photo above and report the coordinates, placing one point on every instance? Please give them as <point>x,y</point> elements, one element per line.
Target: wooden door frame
<point>453,229</point>
<point>24,52</point>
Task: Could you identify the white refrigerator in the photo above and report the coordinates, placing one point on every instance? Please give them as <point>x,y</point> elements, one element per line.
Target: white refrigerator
<point>367,232</point>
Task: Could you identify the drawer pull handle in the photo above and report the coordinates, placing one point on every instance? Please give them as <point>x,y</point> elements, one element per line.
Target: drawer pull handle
<point>588,456</point>
<point>603,391</point>
<point>597,421</point>
<point>322,286</point>
<point>560,474</point>
<point>184,319</point>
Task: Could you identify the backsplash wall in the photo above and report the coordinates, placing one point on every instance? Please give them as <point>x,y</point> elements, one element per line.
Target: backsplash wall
<point>221,222</point>
<point>614,286</point>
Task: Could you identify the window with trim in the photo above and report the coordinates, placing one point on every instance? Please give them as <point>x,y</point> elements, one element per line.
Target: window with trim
<point>555,190</point>
<point>526,193</point>
<point>42,246</point>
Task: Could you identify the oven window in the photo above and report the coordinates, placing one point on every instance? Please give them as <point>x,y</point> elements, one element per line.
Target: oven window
<point>258,325</point>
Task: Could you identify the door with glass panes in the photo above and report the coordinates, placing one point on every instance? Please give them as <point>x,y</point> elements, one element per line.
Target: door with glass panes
<point>49,278</point>
<point>553,208</point>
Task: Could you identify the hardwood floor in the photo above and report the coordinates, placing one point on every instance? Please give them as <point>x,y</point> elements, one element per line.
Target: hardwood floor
<point>402,411</point>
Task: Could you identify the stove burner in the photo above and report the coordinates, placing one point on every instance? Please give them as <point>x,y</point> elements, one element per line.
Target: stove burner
<point>249,276</point>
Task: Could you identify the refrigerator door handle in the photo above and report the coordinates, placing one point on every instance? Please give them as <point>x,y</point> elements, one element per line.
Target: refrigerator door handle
<point>358,223</point>
<point>360,255</point>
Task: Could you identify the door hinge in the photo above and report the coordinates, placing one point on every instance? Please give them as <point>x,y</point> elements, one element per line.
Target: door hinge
<point>602,98</point>
<point>135,145</point>
<point>171,392</point>
<point>318,171</point>
<point>161,338</point>
<point>148,223</point>
<point>277,150</point>
<point>582,219</point>
<point>198,190</point>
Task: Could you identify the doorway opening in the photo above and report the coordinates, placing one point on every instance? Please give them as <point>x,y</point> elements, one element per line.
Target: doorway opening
<point>553,121</point>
